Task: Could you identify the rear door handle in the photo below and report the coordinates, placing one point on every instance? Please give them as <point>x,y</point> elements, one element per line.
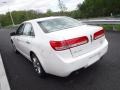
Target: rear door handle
<point>27,42</point>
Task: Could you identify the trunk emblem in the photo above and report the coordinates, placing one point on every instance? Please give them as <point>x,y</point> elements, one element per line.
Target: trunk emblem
<point>91,38</point>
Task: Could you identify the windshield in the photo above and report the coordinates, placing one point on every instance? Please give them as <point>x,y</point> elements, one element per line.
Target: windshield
<point>58,24</point>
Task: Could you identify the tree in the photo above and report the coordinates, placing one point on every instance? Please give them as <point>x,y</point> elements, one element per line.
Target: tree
<point>96,8</point>
<point>49,12</point>
<point>62,6</point>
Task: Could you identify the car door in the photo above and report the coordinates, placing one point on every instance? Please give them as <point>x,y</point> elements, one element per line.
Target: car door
<point>26,39</point>
<point>16,38</point>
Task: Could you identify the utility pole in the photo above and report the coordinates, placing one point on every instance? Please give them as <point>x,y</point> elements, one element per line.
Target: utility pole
<point>10,14</point>
<point>11,18</point>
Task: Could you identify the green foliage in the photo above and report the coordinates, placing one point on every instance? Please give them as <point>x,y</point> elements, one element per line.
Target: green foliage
<point>18,17</point>
<point>21,16</point>
<point>107,27</point>
<point>49,12</point>
<point>98,8</point>
<point>111,27</point>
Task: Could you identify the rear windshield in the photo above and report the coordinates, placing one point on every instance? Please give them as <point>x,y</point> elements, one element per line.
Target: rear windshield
<point>58,24</point>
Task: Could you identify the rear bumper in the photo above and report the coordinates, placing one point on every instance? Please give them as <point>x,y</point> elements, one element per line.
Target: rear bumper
<point>86,60</point>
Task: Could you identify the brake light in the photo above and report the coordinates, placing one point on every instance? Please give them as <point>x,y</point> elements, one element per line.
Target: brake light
<point>70,43</point>
<point>99,34</point>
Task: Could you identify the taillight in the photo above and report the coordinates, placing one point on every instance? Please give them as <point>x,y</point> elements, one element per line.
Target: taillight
<point>58,45</point>
<point>99,34</point>
<point>70,43</point>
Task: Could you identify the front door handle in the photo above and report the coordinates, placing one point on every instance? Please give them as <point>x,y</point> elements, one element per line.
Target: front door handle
<point>18,40</point>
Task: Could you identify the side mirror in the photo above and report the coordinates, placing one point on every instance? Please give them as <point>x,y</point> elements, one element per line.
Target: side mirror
<point>12,34</point>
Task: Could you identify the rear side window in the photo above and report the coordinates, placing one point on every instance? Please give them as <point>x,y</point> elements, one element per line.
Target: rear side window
<point>20,30</point>
<point>28,30</point>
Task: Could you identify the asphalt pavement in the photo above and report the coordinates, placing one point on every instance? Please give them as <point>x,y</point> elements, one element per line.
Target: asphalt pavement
<point>103,75</point>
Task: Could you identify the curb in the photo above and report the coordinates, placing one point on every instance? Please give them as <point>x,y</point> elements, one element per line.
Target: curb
<point>4,85</point>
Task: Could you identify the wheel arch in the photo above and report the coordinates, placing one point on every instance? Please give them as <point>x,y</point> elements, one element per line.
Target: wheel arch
<point>41,62</point>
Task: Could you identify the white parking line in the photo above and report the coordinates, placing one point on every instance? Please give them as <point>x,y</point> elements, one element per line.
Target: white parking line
<point>4,85</point>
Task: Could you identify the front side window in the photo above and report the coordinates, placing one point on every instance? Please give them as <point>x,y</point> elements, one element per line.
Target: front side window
<point>58,24</point>
<point>28,30</point>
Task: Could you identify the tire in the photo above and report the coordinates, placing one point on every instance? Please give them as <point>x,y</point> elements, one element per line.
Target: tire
<point>14,48</point>
<point>37,66</point>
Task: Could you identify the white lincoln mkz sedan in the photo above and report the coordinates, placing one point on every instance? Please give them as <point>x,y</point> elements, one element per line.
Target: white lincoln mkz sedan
<point>59,45</point>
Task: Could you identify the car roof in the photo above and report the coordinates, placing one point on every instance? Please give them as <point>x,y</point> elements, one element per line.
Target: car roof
<point>43,19</point>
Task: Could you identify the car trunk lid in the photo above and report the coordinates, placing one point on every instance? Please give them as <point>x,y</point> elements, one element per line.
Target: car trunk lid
<point>83,34</point>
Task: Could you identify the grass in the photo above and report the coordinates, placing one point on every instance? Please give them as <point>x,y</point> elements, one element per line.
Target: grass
<point>115,27</point>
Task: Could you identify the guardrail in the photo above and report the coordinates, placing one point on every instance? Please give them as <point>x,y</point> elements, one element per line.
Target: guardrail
<point>112,25</point>
<point>97,22</point>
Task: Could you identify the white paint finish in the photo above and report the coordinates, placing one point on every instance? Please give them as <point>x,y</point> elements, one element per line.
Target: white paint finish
<point>4,85</point>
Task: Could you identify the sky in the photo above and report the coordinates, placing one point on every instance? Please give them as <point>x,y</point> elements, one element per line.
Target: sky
<point>39,5</point>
